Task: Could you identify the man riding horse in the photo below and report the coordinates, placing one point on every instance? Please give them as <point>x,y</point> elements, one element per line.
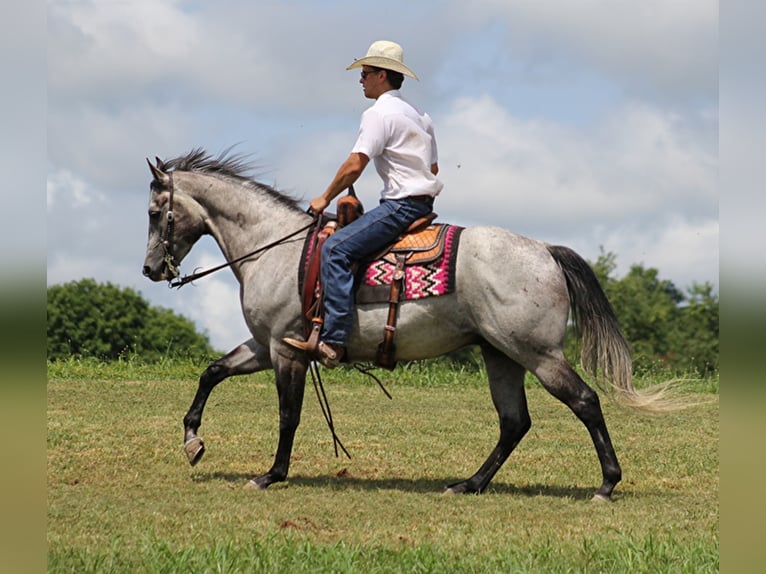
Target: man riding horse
<point>400,139</point>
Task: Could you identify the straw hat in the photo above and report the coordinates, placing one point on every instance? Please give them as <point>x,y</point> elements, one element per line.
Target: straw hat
<point>386,55</point>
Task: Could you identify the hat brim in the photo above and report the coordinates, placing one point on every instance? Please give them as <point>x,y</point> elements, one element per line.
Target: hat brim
<point>385,63</point>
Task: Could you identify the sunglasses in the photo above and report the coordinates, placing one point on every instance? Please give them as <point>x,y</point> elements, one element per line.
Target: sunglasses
<point>365,74</point>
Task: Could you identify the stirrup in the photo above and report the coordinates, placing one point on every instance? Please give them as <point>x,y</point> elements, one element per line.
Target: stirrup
<point>324,353</point>
<point>328,355</point>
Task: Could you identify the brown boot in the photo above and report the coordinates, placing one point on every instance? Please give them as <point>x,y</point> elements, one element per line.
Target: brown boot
<point>327,354</point>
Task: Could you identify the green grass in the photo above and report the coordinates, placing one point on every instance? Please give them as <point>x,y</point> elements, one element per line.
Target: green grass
<point>122,498</point>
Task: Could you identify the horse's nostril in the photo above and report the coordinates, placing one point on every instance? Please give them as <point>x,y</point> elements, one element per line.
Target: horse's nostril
<point>147,270</point>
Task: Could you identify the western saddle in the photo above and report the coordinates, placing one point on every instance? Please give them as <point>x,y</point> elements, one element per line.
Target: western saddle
<point>421,243</point>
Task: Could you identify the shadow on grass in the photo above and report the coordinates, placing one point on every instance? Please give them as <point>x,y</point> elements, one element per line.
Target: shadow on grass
<point>419,486</point>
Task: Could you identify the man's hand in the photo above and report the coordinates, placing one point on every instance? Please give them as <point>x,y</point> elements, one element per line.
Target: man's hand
<point>318,204</point>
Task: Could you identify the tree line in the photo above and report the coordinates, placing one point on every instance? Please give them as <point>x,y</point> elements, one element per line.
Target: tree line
<point>666,328</point>
<point>102,320</point>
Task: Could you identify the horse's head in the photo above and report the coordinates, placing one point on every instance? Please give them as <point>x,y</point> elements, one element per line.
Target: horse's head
<point>175,224</point>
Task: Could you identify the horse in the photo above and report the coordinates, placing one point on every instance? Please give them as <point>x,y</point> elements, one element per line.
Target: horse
<point>513,300</point>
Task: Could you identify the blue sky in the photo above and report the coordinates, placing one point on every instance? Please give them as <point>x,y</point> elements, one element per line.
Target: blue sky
<point>589,124</point>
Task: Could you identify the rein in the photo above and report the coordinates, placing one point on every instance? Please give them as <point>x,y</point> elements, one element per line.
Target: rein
<point>189,278</point>
<point>170,259</point>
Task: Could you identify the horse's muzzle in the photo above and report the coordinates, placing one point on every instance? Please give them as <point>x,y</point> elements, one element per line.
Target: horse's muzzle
<point>154,274</point>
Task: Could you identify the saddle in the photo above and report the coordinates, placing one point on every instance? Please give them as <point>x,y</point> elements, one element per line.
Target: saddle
<point>422,243</point>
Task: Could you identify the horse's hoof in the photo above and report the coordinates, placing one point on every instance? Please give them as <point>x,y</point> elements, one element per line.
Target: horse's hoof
<point>257,483</point>
<point>252,485</point>
<point>459,488</point>
<point>194,449</point>
<point>601,498</point>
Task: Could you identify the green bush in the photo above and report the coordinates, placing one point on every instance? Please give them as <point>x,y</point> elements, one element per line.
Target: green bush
<point>89,319</point>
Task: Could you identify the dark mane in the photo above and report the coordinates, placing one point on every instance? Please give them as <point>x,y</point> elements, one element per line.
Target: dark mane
<point>227,165</point>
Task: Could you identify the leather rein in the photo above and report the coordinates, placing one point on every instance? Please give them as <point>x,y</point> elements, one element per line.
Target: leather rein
<point>170,259</point>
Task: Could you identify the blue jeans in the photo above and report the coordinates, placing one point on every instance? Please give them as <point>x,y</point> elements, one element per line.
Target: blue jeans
<point>359,240</point>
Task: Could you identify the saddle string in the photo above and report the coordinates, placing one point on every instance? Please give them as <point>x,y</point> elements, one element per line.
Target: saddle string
<point>367,370</point>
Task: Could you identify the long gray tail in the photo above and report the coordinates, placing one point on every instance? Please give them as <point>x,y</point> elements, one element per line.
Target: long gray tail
<point>605,354</point>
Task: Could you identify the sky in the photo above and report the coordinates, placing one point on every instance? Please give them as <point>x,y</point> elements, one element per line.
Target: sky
<point>592,124</point>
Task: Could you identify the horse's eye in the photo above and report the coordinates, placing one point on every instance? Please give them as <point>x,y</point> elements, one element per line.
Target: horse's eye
<point>154,214</point>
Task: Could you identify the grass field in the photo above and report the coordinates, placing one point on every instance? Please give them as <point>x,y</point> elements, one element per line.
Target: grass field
<point>122,498</point>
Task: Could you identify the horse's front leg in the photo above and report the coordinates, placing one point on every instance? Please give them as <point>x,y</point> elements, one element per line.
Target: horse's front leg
<point>249,357</point>
<point>291,383</point>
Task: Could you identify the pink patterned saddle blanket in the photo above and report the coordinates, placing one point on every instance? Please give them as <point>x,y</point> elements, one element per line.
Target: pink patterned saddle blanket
<point>428,266</point>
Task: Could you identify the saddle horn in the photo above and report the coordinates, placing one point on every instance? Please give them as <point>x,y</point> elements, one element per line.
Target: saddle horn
<point>349,207</point>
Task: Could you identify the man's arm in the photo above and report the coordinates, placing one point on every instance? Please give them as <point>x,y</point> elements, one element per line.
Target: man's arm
<point>347,174</point>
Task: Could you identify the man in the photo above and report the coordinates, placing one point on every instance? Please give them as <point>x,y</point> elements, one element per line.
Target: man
<point>400,140</point>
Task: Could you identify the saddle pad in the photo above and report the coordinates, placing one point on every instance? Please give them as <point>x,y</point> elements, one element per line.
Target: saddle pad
<point>428,279</point>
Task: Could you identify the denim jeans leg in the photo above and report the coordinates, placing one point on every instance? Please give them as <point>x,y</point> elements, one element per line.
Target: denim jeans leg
<point>357,241</point>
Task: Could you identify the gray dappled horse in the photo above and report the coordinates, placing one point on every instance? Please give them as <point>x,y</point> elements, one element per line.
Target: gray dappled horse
<point>512,299</point>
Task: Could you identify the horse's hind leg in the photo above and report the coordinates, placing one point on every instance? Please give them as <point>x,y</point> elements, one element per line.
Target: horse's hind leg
<point>506,384</point>
<point>249,357</point>
<point>558,377</point>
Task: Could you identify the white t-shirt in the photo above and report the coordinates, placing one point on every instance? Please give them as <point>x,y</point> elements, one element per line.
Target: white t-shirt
<point>400,140</point>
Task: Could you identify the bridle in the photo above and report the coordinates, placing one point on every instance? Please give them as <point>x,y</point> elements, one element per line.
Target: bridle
<point>167,241</point>
<point>172,265</point>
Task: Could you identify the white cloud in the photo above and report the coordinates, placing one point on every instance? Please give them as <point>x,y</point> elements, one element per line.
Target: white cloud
<point>97,47</point>
<point>63,268</point>
<point>638,161</point>
<point>653,46</point>
<point>249,54</point>
<point>686,251</point>
<point>65,187</point>
<point>108,146</point>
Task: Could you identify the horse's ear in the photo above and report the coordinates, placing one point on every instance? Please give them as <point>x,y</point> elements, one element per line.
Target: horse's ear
<point>160,163</point>
<point>158,173</point>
